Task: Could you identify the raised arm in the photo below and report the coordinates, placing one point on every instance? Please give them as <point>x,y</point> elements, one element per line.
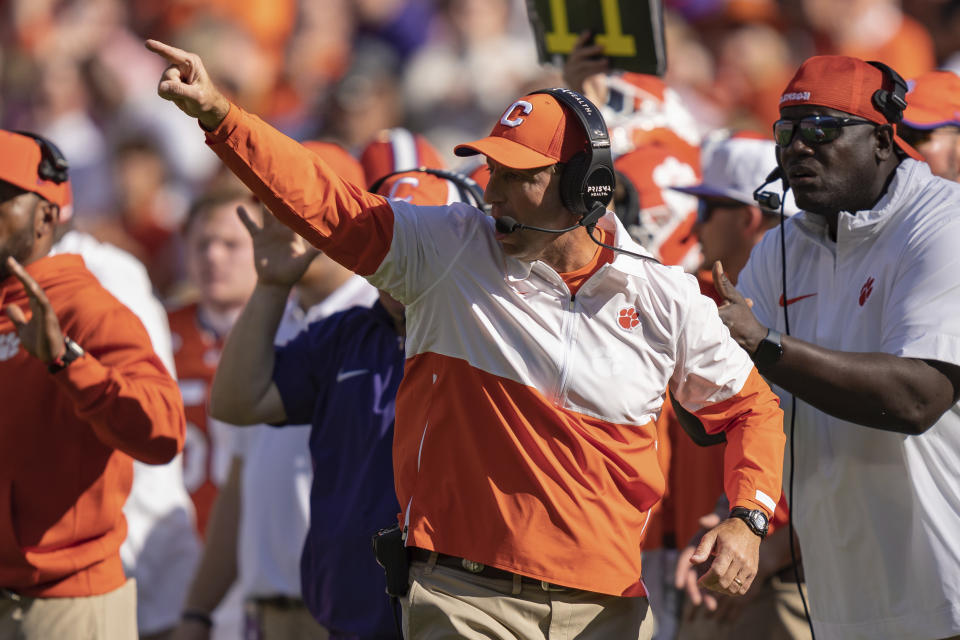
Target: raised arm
<point>243,391</point>
<point>878,390</point>
<point>352,226</point>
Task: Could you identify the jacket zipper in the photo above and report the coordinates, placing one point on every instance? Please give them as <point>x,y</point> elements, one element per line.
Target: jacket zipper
<point>569,329</point>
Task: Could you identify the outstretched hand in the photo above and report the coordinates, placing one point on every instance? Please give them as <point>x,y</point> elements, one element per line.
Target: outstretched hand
<point>735,312</point>
<point>280,255</point>
<point>40,335</point>
<point>186,83</point>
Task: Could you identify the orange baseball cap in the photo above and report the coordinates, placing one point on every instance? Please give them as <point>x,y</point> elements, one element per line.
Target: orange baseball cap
<point>397,149</point>
<point>534,132</point>
<point>843,83</point>
<point>933,100</point>
<point>20,159</point>
<point>342,163</point>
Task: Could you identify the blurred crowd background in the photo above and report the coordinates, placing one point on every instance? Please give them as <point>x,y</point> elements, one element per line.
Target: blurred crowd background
<point>76,71</point>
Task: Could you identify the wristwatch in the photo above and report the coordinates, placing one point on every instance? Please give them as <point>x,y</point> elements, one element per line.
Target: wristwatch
<point>769,351</point>
<point>71,352</point>
<point>755,519</point>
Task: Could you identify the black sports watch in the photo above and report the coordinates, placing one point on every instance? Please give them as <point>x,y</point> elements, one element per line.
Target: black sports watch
<point>71,352</point>
<point>755,519</point>
<point>769,351</point>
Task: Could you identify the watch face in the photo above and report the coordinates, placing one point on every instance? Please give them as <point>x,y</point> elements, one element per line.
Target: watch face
<point>759,520</point>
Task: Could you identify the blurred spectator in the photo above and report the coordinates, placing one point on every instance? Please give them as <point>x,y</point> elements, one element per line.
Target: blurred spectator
<point>473,65</point>
<point>260,519</point>
<point>871,30</point>
<point>754,63</point>
<point>402,24</point>
<point>219,257</point>
<point>365,100</point>
<point>149,211</point>
<point>161,549</point>
<point>931,121</point>
<point>729,220</point>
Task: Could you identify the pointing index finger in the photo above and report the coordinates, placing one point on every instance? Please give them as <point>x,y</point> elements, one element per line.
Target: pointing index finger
<point>29,284</point>
<point>722,283</point>
<point>172,54</point>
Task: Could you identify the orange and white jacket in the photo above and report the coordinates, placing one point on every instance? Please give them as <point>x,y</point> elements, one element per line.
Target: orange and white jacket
<point>525,434</point>
<point>67,439</point>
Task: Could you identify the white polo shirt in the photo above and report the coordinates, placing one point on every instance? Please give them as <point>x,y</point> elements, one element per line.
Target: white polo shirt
<point>878,513</point>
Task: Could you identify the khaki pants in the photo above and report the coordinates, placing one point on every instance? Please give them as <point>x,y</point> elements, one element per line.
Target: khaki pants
<point>111,616</point>
<point>774,613</point>
<point>282,620</point>
<point>445,603</point>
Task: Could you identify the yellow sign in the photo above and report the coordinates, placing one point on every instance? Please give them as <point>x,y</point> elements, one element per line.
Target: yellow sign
<point>630,31</point>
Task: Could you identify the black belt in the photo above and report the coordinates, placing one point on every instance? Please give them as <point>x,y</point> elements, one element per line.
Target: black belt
<point>479,569</point>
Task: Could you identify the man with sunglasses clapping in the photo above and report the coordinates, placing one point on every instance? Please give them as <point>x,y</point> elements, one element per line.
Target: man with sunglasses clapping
<point>856,314</point>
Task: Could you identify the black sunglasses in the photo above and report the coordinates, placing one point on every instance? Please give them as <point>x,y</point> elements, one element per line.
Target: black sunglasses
<point>813,129</point>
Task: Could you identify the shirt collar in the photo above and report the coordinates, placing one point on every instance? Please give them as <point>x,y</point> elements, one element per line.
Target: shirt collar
<point>627,264</point>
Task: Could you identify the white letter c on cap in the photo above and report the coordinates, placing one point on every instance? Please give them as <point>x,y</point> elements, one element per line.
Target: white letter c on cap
<point>524,105</point>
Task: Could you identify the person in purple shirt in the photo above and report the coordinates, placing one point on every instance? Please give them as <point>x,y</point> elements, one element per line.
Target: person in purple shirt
<point>340,375</point>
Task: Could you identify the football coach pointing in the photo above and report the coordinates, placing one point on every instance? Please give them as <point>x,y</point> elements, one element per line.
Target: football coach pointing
<point>537,361</point>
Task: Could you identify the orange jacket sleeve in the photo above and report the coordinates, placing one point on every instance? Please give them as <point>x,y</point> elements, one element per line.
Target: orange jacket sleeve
<point>753,460</point>
<point>350,225</point>
<point>120,387</point>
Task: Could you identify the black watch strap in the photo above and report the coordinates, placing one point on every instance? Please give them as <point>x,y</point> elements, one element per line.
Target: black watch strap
<point>71,352</point>
<point>769,351</point>
<point>755,518</point>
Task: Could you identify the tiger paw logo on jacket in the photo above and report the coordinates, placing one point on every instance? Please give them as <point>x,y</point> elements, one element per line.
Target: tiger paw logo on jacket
<point>628,318</point>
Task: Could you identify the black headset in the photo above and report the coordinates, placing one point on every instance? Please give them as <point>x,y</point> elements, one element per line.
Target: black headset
<point>769,200</point>
<point>587,180</point>
<point>467,186</point>
<point>53,164</point>
<point>890,103</point>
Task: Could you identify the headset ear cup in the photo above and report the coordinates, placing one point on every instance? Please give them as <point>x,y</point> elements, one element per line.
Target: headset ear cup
<point>573,184</point>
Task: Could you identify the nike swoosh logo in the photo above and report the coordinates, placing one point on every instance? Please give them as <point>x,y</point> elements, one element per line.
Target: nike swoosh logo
<point>346,375</point>
<point>792,300</point>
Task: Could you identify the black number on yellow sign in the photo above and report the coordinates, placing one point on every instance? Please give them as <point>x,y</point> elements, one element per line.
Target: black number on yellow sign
<point>614,41</point>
